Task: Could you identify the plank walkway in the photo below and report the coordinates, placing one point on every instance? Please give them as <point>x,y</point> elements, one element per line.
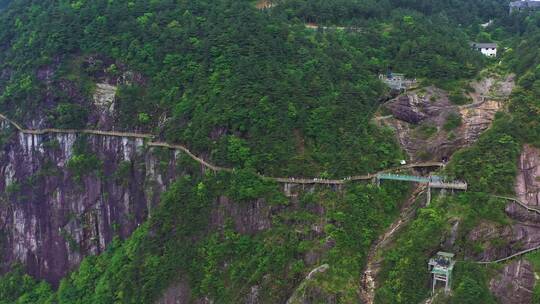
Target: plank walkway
<point>152,143</point>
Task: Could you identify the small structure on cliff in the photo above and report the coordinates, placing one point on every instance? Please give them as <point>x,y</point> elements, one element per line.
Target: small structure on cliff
<point>397,81</point>
<point>487,49</point>
<point>441,267</point>
<point>432,182</point>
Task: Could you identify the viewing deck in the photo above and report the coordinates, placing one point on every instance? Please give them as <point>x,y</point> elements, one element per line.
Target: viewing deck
<point>433,181</point>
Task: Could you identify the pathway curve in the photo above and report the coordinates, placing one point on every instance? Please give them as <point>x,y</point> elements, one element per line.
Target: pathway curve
<point>374,260</point>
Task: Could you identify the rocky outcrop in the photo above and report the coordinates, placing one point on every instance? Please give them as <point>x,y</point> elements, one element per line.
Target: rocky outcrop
<point>502,241</point>
<point>408,108</point>
<point>515,283</point>
<point>104,103</point>
<point>524,232</point>
<point>420,118</point>
<point>528,179</point>
<point>178,293</point>
<point>51,216</point>
<point>50,220</point>
<point>476,119</point>
<point>248,217</point>
<point>89,82</point>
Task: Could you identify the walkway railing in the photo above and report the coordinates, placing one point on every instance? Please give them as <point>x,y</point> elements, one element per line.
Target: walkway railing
<point>511,256</point>
<point>450,185</point>
<point>405,178</point>
<point>520,203</point>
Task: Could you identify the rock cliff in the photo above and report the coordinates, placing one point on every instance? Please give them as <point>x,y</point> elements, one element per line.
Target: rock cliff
<point>515,282</point>
<point>50,219</point>
<point>423,118</point>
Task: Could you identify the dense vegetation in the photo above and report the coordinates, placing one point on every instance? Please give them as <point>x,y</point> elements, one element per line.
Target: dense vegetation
<point>224,264</point>
<point>258,91</point>
<point>248,88</point>
<point>467,13</point>
<point>492,164</point>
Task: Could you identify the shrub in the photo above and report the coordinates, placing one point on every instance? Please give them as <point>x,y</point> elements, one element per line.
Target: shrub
<point>70,116</point>
<point>83,164</point>
<point>453,121</point>
<point>458,98</point>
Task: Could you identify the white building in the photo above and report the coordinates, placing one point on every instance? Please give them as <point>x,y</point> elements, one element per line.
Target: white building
<point>488,49</point>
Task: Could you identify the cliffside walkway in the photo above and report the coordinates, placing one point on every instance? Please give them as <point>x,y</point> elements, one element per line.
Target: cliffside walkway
<point>151,142</point>
<point>432,181</point>
<point>519,202</point>
<point>511,256</point>
<point>520,253</point>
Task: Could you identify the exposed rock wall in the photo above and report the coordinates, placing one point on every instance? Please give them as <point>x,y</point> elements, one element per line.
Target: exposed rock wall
<point>528,179</point>
<point>419,118</point>
<point>104,103</point>
<point>178,293</point>
<point>477,119</point>
<point>524,232</point>
<point>515,283</point>
<point>248,218</point>
<point>50,221</point>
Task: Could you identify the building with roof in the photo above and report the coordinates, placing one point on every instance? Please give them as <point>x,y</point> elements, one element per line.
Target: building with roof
<point>525,5</point>
<point>488,49</point>
<point>397,81</point>
<point>441,267</point>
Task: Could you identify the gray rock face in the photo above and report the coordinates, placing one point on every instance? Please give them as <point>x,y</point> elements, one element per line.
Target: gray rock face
<point>514,284</point>
<point>248,218</point>
<point>408,108</point>
<point>528,179</point>
<point>414,112</point>
<point>179,293</point>
<point>431,108</point>
<point>49,221</point>
<point>104,103</point>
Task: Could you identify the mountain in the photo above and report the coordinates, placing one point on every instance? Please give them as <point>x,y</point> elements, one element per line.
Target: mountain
<point>235,151</point>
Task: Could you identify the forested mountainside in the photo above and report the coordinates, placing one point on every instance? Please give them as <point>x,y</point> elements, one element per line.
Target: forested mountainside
<point>173,151</point>
<point>229,80</point>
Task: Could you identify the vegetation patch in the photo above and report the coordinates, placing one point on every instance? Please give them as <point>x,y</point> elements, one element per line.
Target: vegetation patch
<point>425,131</point>
<point>459,98</point>
<point>453,121</point>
